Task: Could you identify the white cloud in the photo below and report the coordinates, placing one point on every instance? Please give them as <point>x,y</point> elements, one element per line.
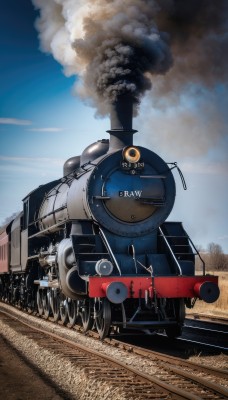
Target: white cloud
<point>51,129</point>
<point>14,121</point>
<point>37,166</point>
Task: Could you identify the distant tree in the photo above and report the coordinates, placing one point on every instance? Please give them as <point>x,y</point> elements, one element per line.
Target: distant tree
<point>217,259</point>
<point>200,248</point>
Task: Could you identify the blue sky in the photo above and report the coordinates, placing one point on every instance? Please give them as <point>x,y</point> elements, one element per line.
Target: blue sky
<point>42,124</point>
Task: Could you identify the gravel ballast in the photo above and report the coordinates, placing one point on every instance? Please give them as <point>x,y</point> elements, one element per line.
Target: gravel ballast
<point>72,379</point>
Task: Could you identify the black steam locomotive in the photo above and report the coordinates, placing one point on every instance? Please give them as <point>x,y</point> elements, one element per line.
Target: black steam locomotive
<point>94,246</point>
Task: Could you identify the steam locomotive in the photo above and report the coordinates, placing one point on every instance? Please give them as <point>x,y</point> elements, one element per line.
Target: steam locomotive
<point>95,246</point>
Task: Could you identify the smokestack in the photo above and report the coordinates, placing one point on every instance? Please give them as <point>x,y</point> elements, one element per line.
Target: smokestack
<point>121,115</point>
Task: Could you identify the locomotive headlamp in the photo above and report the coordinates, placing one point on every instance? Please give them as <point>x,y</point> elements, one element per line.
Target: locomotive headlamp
<point>104,267</point>
<point>131,154</point>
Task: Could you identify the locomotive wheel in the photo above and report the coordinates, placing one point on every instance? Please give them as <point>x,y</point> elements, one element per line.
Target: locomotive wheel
<point>31,302</point>
<point>55,304</point>
<point>63,309</point>
<point>86,315</point>
<point>180,306</point>
<point>46,303</point>
<point>102,312</point>
<point>72,311</point>
<point>176,330</point>
<point>39,299</point>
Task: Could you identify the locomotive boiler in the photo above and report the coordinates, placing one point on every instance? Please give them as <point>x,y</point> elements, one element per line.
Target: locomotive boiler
<point>95,246</point>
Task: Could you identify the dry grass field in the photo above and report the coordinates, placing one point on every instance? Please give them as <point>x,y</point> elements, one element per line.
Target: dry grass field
<point>220,307</point>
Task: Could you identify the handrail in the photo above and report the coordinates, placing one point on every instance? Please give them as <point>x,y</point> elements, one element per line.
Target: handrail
<point>110,250</point>
<point>197,252</point>
<point>171,251</point>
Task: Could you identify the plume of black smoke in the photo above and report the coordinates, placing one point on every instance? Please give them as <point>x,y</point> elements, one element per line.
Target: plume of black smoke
<point>114,46</point>
<point>118,46</point>
<point>121,47</point>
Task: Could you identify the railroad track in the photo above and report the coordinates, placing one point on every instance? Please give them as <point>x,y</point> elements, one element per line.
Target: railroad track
<point>216,335</point>
<point>183,381</point>
<point>210,328</point>
<point>186,368</point>
<point>191,343</point>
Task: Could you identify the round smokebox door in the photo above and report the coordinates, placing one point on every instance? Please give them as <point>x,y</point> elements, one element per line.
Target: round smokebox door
<point>131,198</point>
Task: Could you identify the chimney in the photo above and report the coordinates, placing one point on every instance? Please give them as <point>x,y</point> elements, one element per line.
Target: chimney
<point>121,115</point>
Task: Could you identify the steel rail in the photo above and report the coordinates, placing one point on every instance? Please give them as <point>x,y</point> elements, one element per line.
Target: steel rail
<point>210,346</point>
<point>151,354</point>
<point>211,385</point>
